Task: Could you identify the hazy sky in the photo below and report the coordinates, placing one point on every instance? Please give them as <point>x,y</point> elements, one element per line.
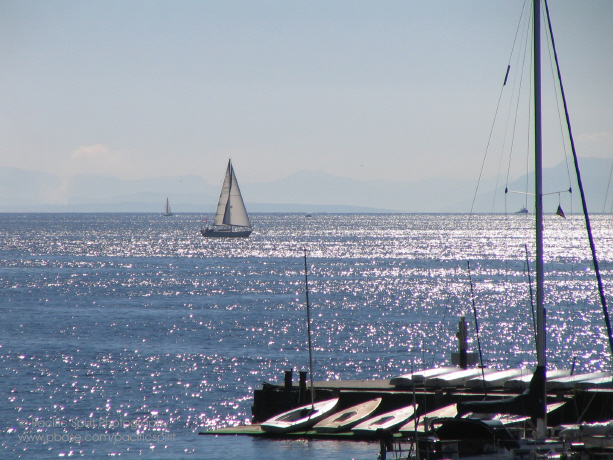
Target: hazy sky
<point>394,90</point>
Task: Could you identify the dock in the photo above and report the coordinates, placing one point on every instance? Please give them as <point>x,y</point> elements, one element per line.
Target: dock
<point>256,431</point>
<point>587,405</point>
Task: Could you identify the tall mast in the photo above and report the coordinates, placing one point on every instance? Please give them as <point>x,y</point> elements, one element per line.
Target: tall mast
<point>306,290</point>
<point>538,182</point>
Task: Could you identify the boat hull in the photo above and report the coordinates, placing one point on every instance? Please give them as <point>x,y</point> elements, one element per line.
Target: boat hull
<point>496,379</point>
<point>456,378</point>
<point>387,421</point>
<point>521,383</point>
<point>222,233</point>
<point>419,377</point>
<point>300,418</point>
<point>347,418</point>
<point>423,424</point>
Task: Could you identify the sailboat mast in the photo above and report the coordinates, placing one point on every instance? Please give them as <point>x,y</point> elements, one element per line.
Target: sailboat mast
<point>306,287</point>
<point>538,182</point>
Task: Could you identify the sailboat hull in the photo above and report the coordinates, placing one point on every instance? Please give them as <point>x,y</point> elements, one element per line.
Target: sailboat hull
<point>225,233</point>
<point>301,418</point>
<point>343,420</point>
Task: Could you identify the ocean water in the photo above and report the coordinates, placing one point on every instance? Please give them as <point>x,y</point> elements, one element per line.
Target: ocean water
<point>125,335</point>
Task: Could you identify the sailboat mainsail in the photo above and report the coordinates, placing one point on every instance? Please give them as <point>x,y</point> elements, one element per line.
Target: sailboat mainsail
<point>167,211</point>
<point>231,219</point>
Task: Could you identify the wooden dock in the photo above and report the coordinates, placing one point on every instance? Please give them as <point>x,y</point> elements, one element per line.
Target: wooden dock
<point>272,399</point>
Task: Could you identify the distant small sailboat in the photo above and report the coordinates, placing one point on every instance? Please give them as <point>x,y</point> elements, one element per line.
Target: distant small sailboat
<point>167,211</point>
<point>231,219</point>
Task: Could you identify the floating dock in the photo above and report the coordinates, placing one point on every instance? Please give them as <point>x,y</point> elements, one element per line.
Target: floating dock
<point>585,405</point>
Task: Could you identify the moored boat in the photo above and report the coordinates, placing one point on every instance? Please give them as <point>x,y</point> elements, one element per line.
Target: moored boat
<point>419,377</point>
<point>459,377</point>
<point>572,381</point>
<point>421,424</point>
<point>388,421</point>
<point>496,379</point>
<point>523,381</point>
<point>300,418</point>
<point>345,419</point>
<point>598,382</point>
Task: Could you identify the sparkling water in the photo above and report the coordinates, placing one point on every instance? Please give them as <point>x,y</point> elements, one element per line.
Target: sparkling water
<point>128,334</point>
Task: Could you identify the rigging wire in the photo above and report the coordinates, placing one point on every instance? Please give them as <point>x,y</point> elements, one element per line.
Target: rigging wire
<point>606,195</point>
<point>525,54</point>
<point>603,299</point>
<point>496,112</point>
<point>531,294</point>
<point>472,296</point>
<point>487,148</point>
<point>556,84</point>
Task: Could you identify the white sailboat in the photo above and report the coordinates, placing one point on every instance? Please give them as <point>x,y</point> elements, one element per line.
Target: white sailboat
<point>231,219</point>
<point>167,211</point>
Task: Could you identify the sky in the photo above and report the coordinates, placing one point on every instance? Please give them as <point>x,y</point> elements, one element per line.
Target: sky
<point>368,90</point>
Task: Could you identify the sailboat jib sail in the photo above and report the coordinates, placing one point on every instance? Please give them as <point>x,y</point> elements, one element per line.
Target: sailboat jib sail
<point>231,219</point>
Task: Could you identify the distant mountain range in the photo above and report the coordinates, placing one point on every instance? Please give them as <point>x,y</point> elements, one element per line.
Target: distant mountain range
<point>30,191</point>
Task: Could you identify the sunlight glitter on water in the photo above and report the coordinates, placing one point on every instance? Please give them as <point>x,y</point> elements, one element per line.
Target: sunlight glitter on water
<point>142,316</point>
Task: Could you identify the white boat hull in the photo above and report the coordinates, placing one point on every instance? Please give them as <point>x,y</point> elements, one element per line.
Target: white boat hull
<point>572,381</point>
<point>419,377</point>
<point>423,424</point>
<point>300,418</point>
<point>524,381</point>
<point>345,419</point>
<point>457,378</point>
<point>496,379</point>
<point>387,421</point>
